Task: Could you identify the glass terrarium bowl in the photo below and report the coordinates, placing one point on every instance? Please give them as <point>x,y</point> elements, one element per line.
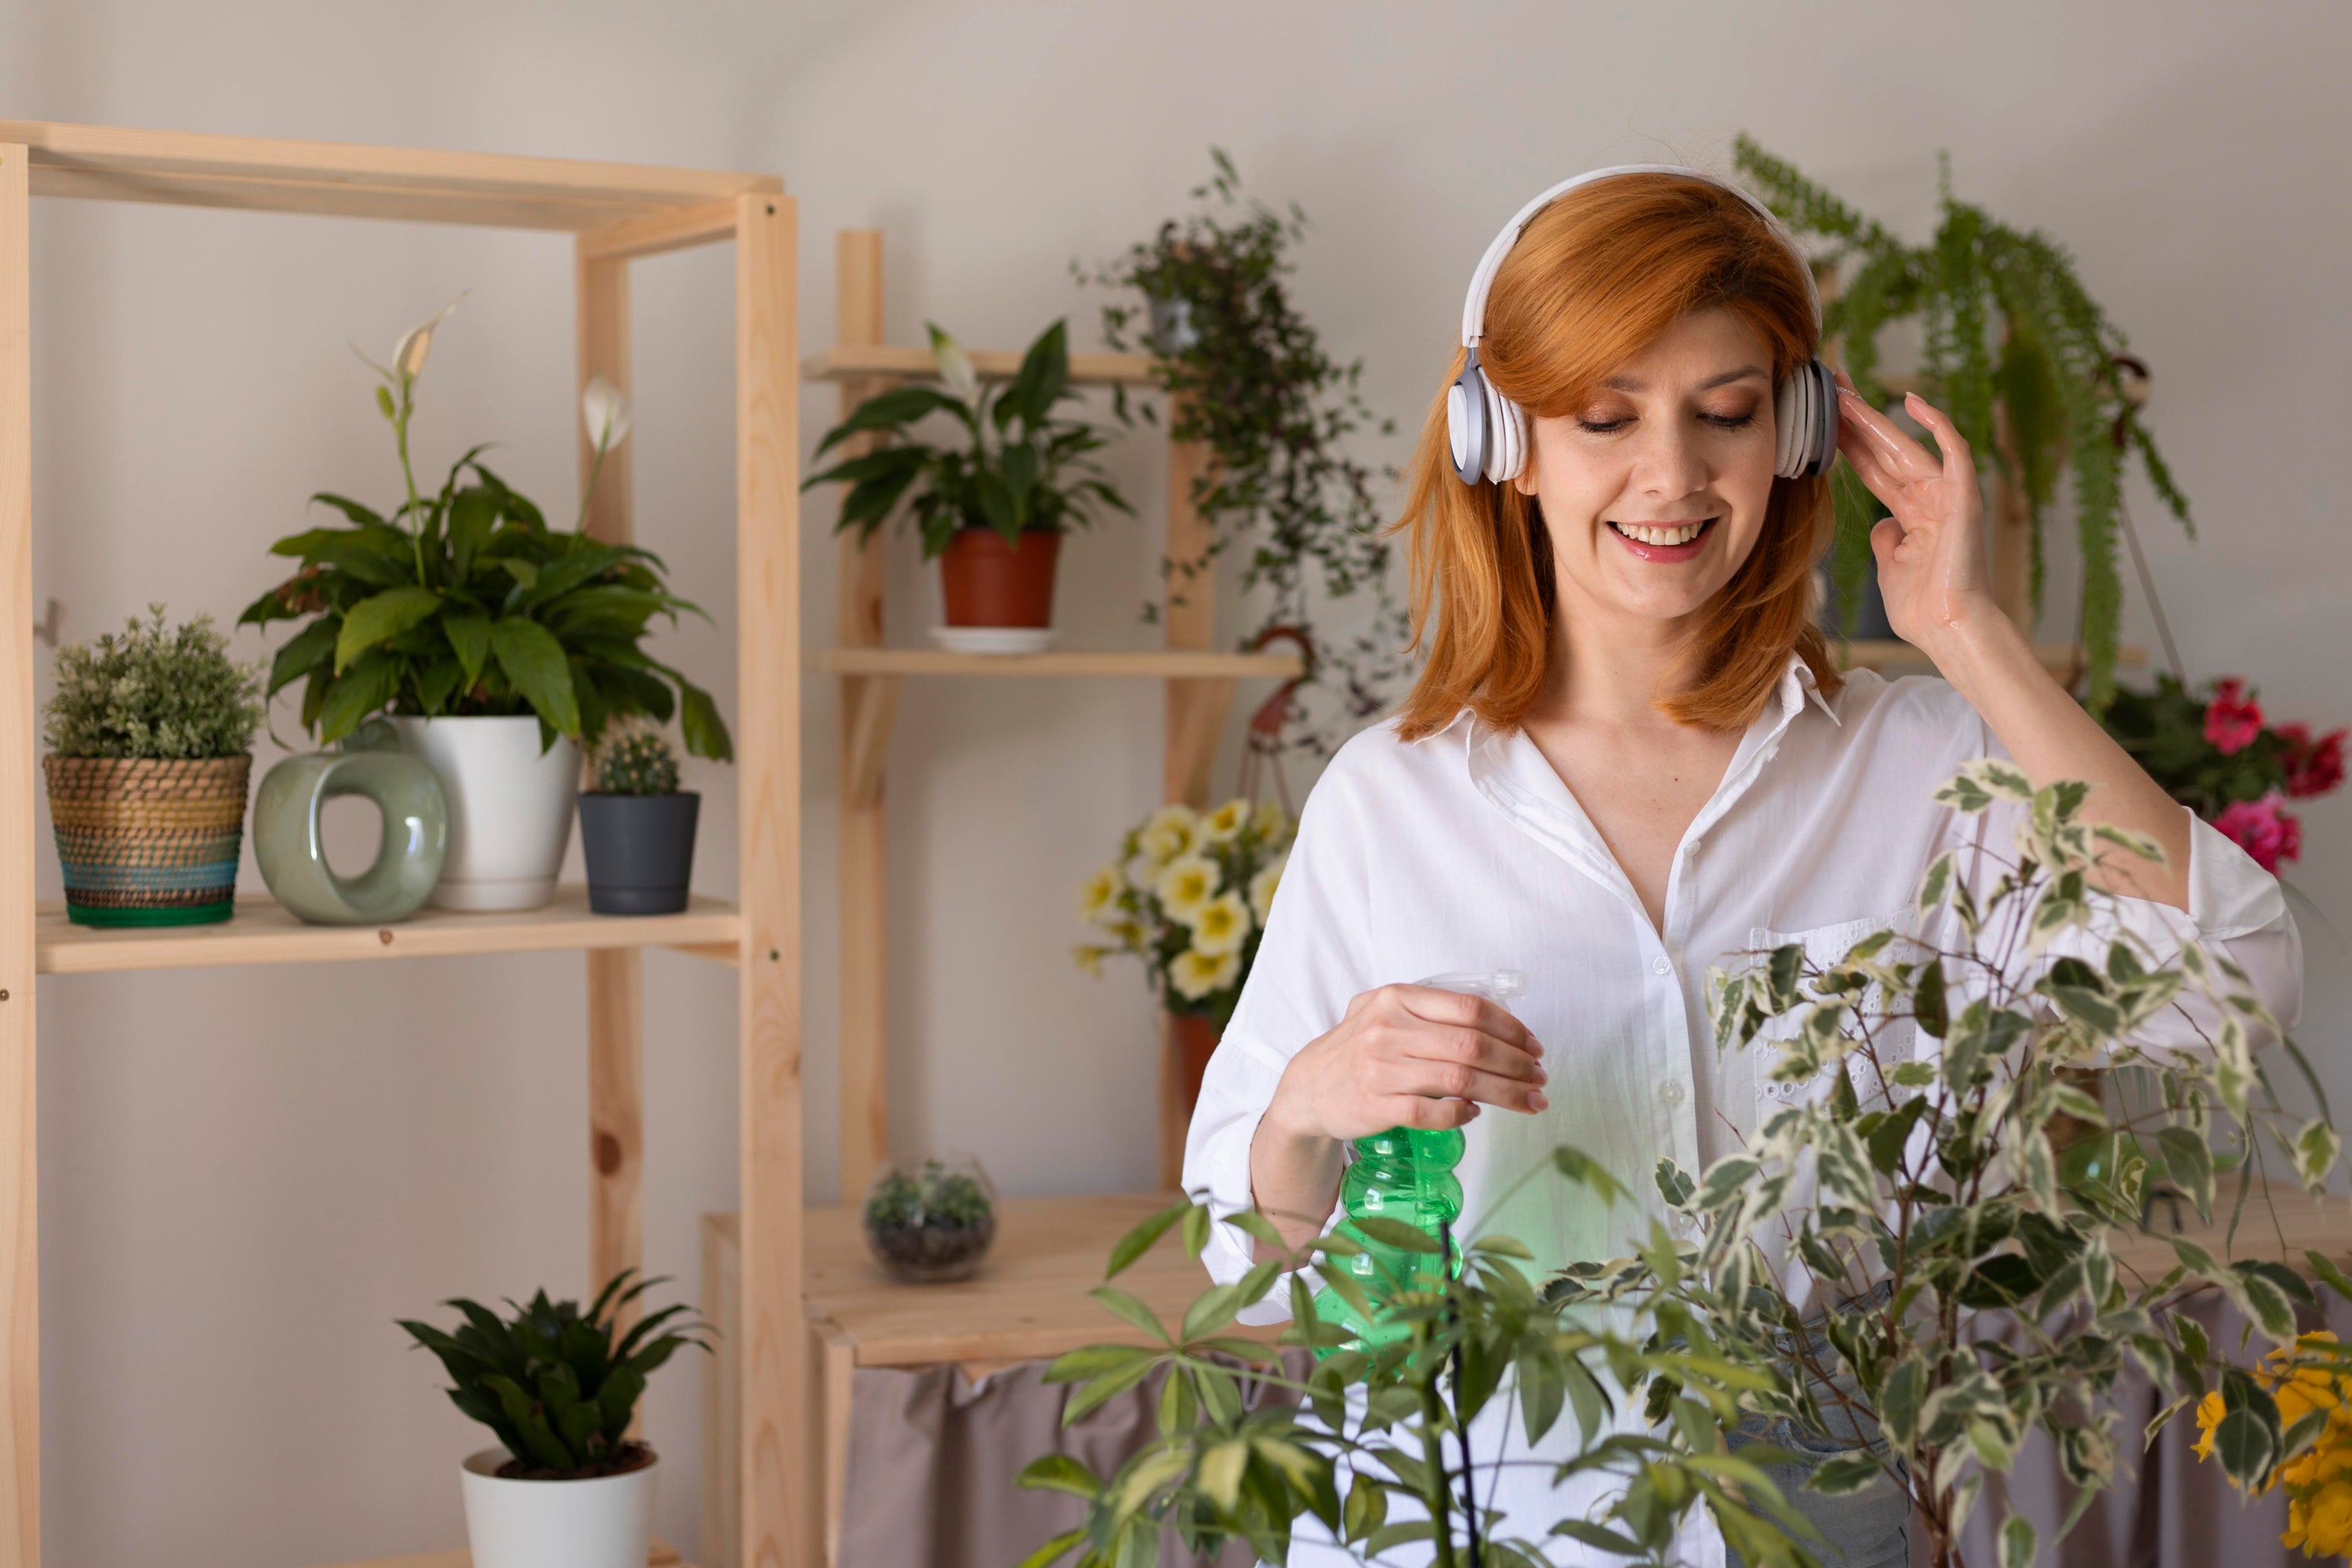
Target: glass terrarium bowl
<point>930,1221</point>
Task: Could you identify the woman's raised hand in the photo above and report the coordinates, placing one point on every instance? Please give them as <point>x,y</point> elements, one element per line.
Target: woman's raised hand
<point>1931,565</point>
<point>1409,1056</point>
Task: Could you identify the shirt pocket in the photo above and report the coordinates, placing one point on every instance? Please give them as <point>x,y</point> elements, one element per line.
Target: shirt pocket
<point>1825,945</point>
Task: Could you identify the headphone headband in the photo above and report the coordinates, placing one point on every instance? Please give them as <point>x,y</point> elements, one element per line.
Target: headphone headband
<point>1474,307</point>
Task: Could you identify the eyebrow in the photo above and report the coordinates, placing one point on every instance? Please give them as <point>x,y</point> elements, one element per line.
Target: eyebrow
<point>1630,383</point>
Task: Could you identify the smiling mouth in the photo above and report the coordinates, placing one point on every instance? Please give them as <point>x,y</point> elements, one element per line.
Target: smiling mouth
<point>1664,541</point>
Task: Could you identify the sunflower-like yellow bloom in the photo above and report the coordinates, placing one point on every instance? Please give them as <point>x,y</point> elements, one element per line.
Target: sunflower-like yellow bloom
<point>1225,825</point>
<point>1186,885</point>
<point>1173,830</point>
<point>1273,822</point>
<point>1196,974</point>
<point>2209,1416</point>
<point>1222,926</point>
<point>1097,893</point>
<point>2323,1526</point>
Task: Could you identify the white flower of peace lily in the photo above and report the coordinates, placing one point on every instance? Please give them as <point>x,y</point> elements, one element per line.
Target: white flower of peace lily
<point>1186,885</point>
<point>1262,886</point>
<point>1222,926</point>
<point>409,355</point>
<point>955,365</point>
<point>1225,825</point>
<point>604,408</point>
<point>1196,974</point>
<point>1172,830</point>
<point>1097,894</point>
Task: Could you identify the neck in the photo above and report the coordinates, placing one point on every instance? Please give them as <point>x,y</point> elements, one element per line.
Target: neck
<point>1613,668</point>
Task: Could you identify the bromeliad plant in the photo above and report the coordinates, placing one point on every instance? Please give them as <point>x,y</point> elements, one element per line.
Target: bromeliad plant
<point>1246,375</point>
<point>1933,1168</point>
<point>464,602</point>
<point>1226,1469</point>
<point>2215,753</point>
<point>1189,895</point>
<point>2032,372</point>
<point>1017,467</point>
<point>556,1385</point>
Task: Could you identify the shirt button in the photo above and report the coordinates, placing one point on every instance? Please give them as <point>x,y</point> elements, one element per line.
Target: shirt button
<point>1662,966</point>
<point>1671,1092</point>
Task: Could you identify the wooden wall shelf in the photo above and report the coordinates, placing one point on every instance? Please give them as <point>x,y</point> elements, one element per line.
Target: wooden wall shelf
<point>848,361</point>
<point>662,1556</point>
<point>616,212</point>
<point>1149,664</point>
<point>263,933</point>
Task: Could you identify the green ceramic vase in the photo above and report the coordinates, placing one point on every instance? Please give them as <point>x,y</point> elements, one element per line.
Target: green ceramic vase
<point>287,841</point>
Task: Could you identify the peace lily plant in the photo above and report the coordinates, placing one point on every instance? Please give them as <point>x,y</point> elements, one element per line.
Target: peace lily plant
<point>1933,1167</point>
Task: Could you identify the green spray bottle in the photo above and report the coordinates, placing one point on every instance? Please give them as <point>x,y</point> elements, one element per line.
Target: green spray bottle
<point>1405,1174</point>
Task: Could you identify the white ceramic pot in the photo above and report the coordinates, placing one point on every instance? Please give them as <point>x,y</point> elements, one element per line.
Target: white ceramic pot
<point>603,1522</point>
<point>510,808</point>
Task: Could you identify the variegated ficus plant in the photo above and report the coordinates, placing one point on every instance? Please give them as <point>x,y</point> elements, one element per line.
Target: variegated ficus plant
<point>1986,1172</point>
<point>1969,1126</point>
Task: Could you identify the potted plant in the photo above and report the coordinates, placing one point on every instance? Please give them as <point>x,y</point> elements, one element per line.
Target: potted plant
<point>1246,375</point>
<point>932,1224</point>
<point>147,766</point>
<point>1189,895</point>
<point>636,828</point>
<point>566,1487</point>
<point>497,644</point>
<point>993,506</point>
<point>2037,378</point>
<point>2215,753</point>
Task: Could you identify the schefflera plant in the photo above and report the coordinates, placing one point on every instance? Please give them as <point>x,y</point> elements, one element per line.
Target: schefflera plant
<point>559,1385</point>
<point>1944,1172</point>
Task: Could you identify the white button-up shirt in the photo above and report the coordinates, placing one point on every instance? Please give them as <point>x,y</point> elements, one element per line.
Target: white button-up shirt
<point>1465,852</point>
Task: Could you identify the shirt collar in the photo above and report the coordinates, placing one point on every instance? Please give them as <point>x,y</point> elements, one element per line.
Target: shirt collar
<point>1797,683</point>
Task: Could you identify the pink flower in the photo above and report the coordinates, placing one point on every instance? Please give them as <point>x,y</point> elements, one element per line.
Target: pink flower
<point>2232,719</point>
<point>2313,767</point>
<point>2262,830</point>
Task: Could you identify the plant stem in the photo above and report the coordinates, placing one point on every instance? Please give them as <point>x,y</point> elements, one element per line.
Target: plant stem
<point>595,466</point>
<point>415,507</point>
<point>1436,1494</point>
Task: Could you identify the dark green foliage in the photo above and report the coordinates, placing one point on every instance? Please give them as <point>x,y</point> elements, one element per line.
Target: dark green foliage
<point>2009,328</point>
<point>2164,730</point>
<point>938,1197</point>
<point>558,1385</point>
<point>1021,467</point>
<point>153,691</point>
<point>1249,377</point>
<point>638,763</point>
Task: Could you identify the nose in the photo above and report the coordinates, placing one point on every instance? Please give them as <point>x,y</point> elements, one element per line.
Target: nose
<point>1670,463</point>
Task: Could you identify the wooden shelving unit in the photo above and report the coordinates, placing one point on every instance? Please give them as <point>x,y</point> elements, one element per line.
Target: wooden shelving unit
<point>616,212</point>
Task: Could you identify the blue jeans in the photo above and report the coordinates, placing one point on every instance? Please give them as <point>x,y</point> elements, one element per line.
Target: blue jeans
<point>1868,1529</point>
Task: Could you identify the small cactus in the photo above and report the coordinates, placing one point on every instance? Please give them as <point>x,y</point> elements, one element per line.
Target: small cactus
<point>640,763</point>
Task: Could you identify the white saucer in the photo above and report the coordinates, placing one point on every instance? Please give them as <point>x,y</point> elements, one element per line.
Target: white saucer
<point>993,639</point>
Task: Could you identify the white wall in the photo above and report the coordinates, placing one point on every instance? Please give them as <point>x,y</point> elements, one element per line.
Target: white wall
<point>245,1176</point>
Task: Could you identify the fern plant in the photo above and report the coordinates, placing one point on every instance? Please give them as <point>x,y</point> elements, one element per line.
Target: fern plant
<point>557,1385</point>
<point>2015,350</point>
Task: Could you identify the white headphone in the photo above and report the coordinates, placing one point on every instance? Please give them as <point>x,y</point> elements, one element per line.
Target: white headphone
<point>1488,432</point>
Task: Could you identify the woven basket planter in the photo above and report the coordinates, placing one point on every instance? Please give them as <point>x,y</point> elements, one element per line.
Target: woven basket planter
<point>148,842</point>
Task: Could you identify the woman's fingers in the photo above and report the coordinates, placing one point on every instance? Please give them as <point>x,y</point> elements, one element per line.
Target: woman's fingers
<point>1463,1011</point>
<point>1452,1080</point>
<point>1863,427</point>
<point>1956,459</point>
<point>1428,1115</point>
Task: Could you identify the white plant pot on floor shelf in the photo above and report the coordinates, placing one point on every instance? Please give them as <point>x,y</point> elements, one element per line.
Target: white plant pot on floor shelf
<point>605,1521</point>
<point>509,808</point>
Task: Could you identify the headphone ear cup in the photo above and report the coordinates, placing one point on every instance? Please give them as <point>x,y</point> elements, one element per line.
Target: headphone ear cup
<point>1515,456</point>
<point>1467,432</point>
<point>1502,456</point>
<point>1791,428</point>
<point>1829,417</point>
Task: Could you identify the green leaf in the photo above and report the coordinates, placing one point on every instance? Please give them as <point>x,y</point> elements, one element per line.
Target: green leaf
<point>469,636</point>
<point>1138,1241</point>
<point>383,615</point>
<point>1060,1473</point>
<point>1130,1309</point>
<point>310,648</point>
<point>1395,1233</point>
<point>1056,1549</point>
<point>2017,1541</point>
<point>361,691</point>
<point>1841,1475</point>
<point>1221,1473</point>
<point>533,660</point>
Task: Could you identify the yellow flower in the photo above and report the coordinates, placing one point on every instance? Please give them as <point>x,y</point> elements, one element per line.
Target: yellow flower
<point>1225,825</point>
<point>2325,1525</point>
<point>2209,1416</point>
<point>1098,893</point>
<point>1171,831</point>
<point>1273,822</point>
<point>1186,886</point>
<point>1196,974</point>
<point>1222,926</point>
<point>1089,958</point>
<point>1262,886</point>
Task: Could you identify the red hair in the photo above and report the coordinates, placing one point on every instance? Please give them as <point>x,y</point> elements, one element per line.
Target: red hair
<point>1595,278</point>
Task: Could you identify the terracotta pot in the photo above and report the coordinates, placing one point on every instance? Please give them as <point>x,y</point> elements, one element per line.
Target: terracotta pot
<point>1196,1042</point>
<point>992,582</point>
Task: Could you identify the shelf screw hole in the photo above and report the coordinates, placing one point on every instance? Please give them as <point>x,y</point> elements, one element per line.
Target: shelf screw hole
<point>4,994</point>
<point>771,209</point>
<point>608,1153</point>
<point>774,955</point>
<point>385,937</point>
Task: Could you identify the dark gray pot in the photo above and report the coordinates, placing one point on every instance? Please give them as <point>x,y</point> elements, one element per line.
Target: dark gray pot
<point>640,850</point>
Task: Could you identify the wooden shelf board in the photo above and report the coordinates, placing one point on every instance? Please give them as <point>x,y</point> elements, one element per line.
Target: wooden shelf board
<point>844,361</point>
<point>1157,664</point>
<point>338,179</point>
<point>663,1556</point>
<point>1888,653</point>
<point>2281,1223</point>
<point>1029,1298</point>
<point>264,933</point>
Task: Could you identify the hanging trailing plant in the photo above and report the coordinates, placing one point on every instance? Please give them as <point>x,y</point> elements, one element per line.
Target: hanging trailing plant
<point>1246,376</point>
<point>2015,349</point>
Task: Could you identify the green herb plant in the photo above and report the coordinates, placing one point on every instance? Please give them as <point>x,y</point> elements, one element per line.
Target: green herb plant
<point>639,761</point>
<point>1245,374</point>
<point>1934,1170</point>
<point>464,602</point>
<point>2016,350</point>
<point>153,690</point>
<point>559,1385</point>
<point>1017,467</point>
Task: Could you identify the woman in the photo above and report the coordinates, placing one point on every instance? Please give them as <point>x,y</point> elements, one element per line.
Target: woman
<point>1631,754</point>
